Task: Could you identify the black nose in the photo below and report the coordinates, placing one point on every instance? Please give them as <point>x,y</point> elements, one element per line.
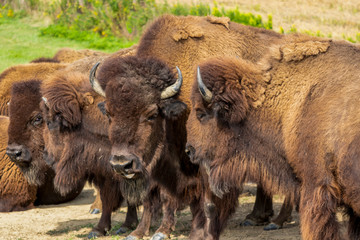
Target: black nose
<point>17,153</point>
<point>13,153</point>
<point>190,150</point>
<point>122,163</point>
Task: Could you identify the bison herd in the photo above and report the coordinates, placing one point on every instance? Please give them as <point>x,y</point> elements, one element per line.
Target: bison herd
<point>197,109</point>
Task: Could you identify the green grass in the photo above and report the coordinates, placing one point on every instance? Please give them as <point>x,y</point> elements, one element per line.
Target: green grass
<point>21,42</point>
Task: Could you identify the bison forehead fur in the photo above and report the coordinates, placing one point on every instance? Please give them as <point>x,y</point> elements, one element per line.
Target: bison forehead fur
<point>24,109</point>
<point>140,71</point>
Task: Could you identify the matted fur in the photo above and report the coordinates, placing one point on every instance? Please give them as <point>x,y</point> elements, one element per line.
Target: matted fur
<point>23,72</point>
<point>16,194</point>
<point>24,108</point>
<point>304,134</point>
<point>187,41</point>
<point>84,150</point>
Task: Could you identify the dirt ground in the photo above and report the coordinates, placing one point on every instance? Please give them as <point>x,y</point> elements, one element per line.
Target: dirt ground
<point>72,221</point>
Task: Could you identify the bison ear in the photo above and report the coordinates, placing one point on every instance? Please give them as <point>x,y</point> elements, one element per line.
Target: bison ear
<point>173,109</point>
<point>88,98</point>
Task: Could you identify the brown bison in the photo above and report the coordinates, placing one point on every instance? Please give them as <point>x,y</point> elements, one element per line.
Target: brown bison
<point>290,120</point>
<point>185,41</point>
<point>147,130</point>
<point>78,148</point>
<point>16,194</point>
<point>25,143</point>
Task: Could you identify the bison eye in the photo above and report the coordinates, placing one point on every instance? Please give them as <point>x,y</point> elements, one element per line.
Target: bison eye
<point>37,120</point>
<point>200,114</point>
<point>153,117</point>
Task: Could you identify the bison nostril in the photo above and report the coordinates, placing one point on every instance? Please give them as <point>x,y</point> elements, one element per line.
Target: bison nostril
<point>189,150</point>
<point>18,153</point>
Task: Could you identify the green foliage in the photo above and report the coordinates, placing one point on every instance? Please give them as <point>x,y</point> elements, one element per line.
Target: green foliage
<point>125,19</point>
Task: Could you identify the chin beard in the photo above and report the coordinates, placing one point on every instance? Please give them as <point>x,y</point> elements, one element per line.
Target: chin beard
<point>135,190</point>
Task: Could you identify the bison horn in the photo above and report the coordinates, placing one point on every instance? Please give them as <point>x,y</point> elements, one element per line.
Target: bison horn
<point>204,91</point>
<point>45,101</point>
<point>173,89</point>
<point>94,82</point>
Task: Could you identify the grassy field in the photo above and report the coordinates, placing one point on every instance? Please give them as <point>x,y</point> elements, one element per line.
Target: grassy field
<point>21,43</point>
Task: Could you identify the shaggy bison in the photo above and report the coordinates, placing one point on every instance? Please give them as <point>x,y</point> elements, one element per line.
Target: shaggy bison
<point>290,120</point>
<point>146,130</point>
<point>25,143</point>
<point>186,41</point>
<point>78,148</point>
<point>16,194</point>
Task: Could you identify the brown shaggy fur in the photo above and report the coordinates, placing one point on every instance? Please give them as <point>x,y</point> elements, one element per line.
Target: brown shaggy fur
<point>186,41</point>
<point>304,131</point>
<point>16,194</point>
<point>152,130</point>
<point>68,55</point>
<point>25,133</point>
<point>79,149</point>
<point>22,73</point>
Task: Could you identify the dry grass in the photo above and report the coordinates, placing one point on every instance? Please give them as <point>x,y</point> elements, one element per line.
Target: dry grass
<point>333,18</point>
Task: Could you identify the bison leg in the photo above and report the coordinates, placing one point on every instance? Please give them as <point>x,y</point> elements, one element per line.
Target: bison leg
<point>318,213</point>
<point>131,220</point>
<point>150,206</point>
<point>262,211</point>
<point>169,206</point>
<point>96,207</point>
<point>198,221</point>
<point>218,213</point>
<point>284,215</point>
<point>111,200</point>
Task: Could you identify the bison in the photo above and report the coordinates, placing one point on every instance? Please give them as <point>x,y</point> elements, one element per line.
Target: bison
<point>16,194</point>
<point>144,120</point>
<point>290,121</point>
<point>78,148</point>
<point>185,41</point>
<point>25,143</point>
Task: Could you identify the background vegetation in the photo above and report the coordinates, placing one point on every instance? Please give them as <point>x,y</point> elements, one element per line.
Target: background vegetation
<point>35,28</point>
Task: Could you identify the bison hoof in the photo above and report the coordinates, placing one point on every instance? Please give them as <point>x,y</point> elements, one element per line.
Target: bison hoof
<point>93,235</point>
<point>158,236</point>
<point>130,238</point>
<point>122,230</point>
<point>272,226</point>
<point>248,223</point>
<point>94,211</point>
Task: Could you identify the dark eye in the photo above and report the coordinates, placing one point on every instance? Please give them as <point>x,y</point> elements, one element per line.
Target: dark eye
<point>152,117</point>
<point>200,114</point>
<point>37,120</point>
<point>103,110</point>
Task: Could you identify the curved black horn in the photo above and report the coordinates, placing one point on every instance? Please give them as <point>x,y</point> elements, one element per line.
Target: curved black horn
<point>173,89</point>
<point>204,91</point>
<point>94,82</point>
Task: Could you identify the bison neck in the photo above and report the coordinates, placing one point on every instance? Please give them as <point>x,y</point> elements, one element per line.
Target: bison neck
<point>173,168</point>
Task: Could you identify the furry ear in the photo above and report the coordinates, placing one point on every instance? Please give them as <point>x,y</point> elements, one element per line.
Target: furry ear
<point>173,109</point>
<point>88,99</point>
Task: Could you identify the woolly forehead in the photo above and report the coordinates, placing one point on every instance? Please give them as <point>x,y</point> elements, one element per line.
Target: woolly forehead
<point>225,74</point>
<point>25,97</point>
<point>140,71</point>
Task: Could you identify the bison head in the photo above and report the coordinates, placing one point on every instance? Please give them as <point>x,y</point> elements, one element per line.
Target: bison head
<point>223,93</point>
<point>140,106</point>
<point>25,144</point>
<point>69,111</point>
